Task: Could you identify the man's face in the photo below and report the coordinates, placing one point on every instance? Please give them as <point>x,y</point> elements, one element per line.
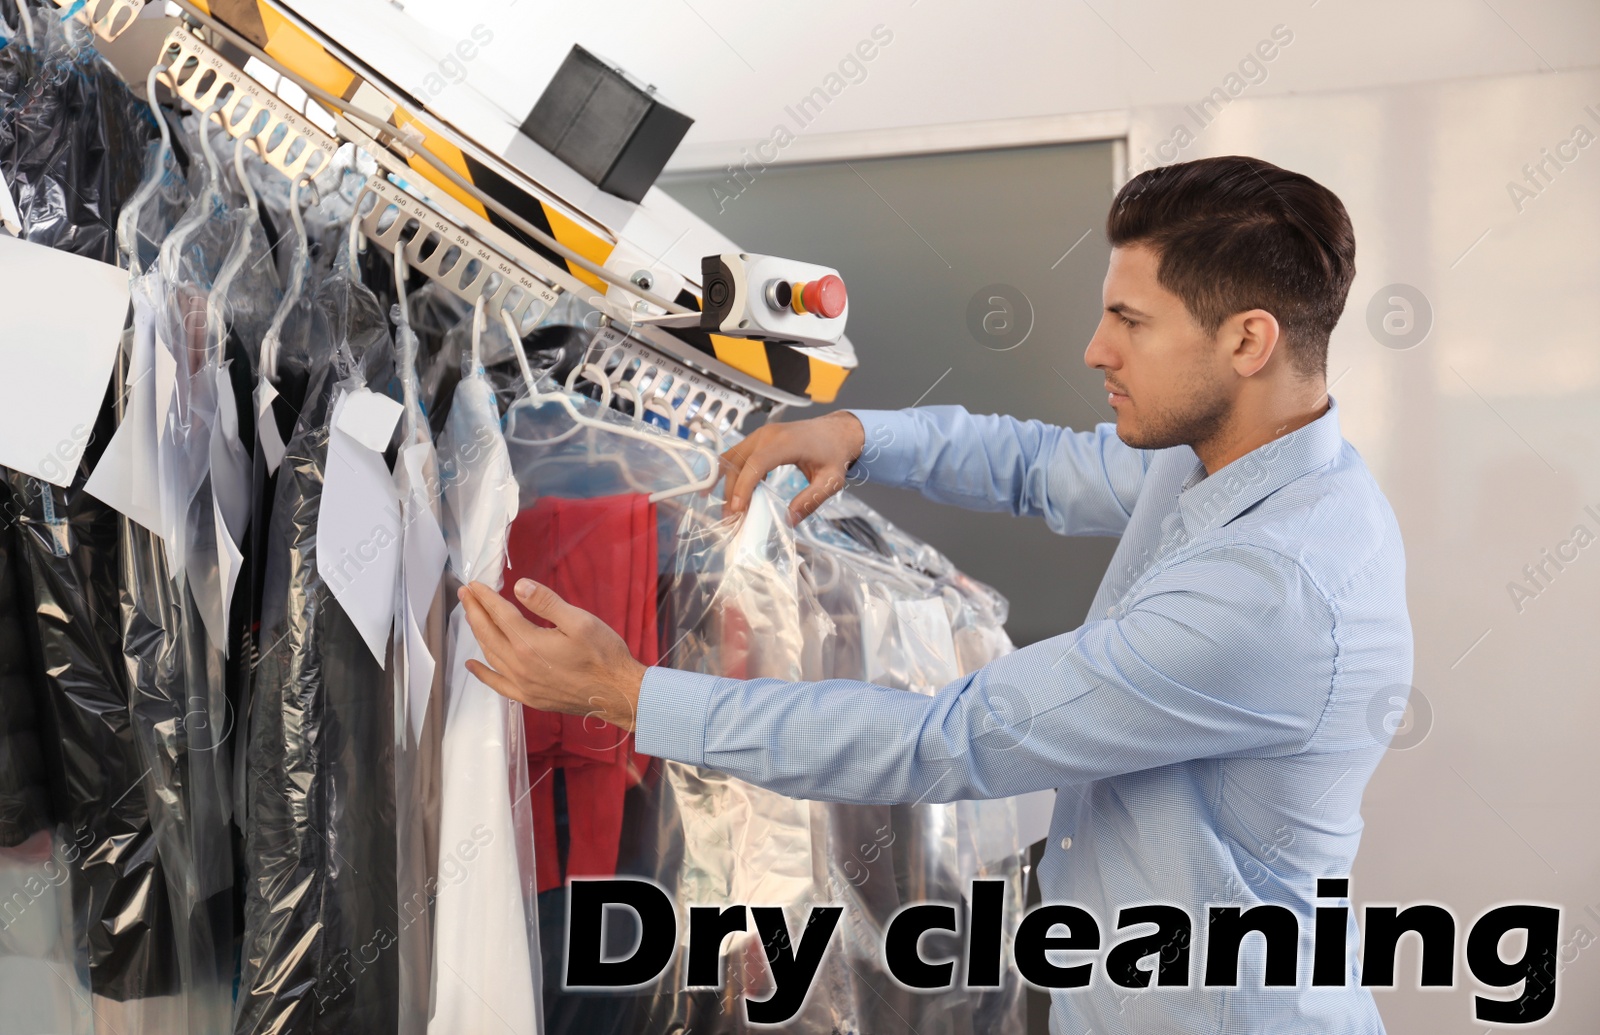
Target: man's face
<point>1165,377</point>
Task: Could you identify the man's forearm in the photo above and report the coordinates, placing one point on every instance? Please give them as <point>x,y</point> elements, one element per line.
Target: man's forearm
<point>1080,482</point>
<point>834,740</point>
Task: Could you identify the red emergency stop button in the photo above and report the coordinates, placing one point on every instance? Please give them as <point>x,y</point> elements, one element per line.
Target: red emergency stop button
<point>825,296</point>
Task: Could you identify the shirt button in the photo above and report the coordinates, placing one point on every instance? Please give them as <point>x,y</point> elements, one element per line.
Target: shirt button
<point>1066,842</point>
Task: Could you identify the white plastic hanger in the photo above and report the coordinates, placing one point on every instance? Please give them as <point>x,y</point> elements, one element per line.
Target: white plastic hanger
<point>404,338</point>
<point>209,199</point>
<point>128,221</point>
<point>679,450</point>
<point>272,341</point>
<point>215,330</point>
<point>27,25</point>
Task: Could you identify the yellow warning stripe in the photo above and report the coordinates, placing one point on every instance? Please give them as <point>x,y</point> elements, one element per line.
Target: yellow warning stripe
<point>825,380</point>
<point>743,354</point>
<point>289,44</point>
<point>593,248</point>
<point>446,152</point>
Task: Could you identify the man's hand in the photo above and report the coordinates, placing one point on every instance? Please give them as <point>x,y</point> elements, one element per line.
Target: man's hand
<point>581,667</point>
<point>822,447</point>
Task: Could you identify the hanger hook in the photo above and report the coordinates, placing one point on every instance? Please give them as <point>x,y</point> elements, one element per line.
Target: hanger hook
<point>516,347</point>
<point>402,272</point>
<point>297,276</point>
<point>478,321</point>
<point>128,221</point>
<point>239,171</point>
<point>353,244</point>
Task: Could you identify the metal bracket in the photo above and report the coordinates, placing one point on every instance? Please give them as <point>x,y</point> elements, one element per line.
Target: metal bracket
<point>108,18</point>
<point>470,257</point>
<point>286,139</point>
<point>682,321</point>
<point>460,262</point>
<point>666,388</point>
<point>649,342</point>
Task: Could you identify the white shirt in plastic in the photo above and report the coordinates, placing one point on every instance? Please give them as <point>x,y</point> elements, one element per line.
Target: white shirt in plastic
<point>486,955</point>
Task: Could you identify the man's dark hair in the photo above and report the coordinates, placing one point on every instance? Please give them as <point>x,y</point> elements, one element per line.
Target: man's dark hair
<point>1238,233</point>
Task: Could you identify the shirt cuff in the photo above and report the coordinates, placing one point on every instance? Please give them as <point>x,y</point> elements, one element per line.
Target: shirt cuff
<point>671,721</point>
<point>890,451</point>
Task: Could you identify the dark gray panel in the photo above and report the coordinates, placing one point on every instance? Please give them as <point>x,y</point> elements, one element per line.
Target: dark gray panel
<point>915,240</point>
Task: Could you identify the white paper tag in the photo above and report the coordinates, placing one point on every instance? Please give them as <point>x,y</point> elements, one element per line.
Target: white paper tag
<point>267,438</point>
<point>420,668</point>
<point>169,455</point>
<point>426,552</point>
<point>230,561</point>
<point>358,522</point>
<point>61,357</point>
<point>127,478</point>
<point>369,418</point>
<point>230,492</point>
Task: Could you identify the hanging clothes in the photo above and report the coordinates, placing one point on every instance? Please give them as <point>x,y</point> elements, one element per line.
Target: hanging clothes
<point>320,903</point>
<point>742,608</point>
<point>419,673</point>
<point>25,800</point>
<point>65,116</point>
<point>600,555</point>
<point>907,618</point>
<point>485,929</point>
<point>187,695</point>
<point>67,123</point>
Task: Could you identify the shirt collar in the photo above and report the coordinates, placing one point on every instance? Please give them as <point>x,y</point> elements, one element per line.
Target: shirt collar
<point>1208,502</point>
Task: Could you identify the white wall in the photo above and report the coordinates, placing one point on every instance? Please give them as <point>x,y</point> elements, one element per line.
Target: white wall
<point>734,65</point>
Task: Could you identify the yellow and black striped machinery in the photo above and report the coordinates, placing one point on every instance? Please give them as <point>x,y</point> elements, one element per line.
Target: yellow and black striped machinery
<point>522,243</point>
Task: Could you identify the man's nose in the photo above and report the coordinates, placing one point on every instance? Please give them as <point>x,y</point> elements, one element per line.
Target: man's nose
<point>1099,355</point>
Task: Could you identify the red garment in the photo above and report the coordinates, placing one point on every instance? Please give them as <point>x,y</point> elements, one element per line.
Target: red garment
<point>600,555</point>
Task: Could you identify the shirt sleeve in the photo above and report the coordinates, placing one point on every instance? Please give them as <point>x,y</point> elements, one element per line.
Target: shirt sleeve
<point>1228,653</point>
<point>1080,482</point>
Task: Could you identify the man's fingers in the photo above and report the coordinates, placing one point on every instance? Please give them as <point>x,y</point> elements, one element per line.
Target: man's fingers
<point>484,627</point>
<point>543,601</point>
<point>754,469</point>
<point>539,600</point>
<point>735,456</point>
<point>823,483</point>
<point>493,680</point>
<point>501,631</point>
<point>512,664</point>
<point>503,612</point>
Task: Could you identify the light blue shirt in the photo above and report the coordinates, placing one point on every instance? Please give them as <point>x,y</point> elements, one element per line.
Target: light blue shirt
<point>1211,725</point>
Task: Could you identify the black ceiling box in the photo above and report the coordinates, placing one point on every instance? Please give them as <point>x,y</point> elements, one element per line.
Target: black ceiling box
<point>603,124</point>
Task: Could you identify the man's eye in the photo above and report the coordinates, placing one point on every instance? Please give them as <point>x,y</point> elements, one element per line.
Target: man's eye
<point>1125,321</point>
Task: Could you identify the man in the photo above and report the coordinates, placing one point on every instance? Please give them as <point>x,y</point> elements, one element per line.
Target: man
<point>1210,727</point>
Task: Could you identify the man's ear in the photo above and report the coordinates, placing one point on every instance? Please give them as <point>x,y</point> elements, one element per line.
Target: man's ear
<point>1255,336</point>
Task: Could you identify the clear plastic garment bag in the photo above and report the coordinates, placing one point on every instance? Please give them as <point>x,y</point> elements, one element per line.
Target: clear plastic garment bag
<point>906,617</point>
<point>173,728</point>
<point>418,673</point>
<point>87,937</point>
<point>485,932</point>
<point>320,848</point>
<point>232,700</point>
<point>744,606</point>
<point>601,495</point>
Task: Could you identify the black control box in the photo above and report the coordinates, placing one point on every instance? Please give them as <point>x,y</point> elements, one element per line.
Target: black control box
<point>605,125</point>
